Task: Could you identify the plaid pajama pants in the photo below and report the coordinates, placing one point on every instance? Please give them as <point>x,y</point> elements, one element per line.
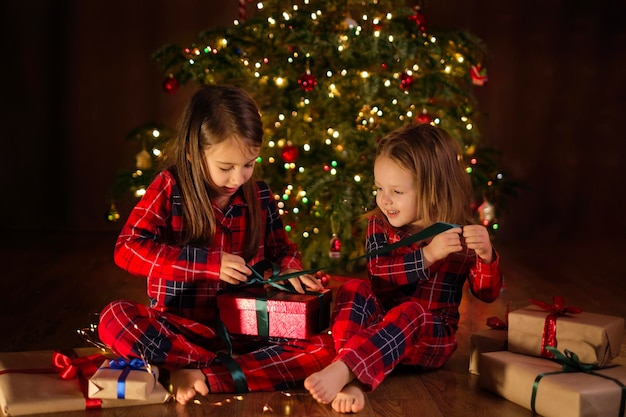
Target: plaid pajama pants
<point>131,329</point>
<point>373,342</point>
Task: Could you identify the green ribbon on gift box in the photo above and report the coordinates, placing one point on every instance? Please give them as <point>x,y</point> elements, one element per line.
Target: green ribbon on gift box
<point>262,317</point>
<point>571,363</point>
<point>239,378</point>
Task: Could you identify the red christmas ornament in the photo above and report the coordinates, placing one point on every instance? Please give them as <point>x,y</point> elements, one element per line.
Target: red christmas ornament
<point>406,81</point>
<point>419,19</point>
<point>289,153</point>
<point>323,278</point>
<point>335,247</point>
<point>423,118</point>
<point>307,81</point>
<point>170,85</point>
<point>479,74</point>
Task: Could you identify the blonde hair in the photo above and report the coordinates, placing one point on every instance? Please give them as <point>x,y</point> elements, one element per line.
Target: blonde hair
<point>444,189</point>
<point>213,115</point>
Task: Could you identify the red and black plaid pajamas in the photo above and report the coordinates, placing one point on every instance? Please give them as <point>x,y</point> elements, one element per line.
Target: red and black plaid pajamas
<point>178,329</point>
<point>409,315</point>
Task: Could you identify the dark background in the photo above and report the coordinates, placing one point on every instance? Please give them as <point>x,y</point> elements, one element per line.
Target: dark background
<point>76,77</point>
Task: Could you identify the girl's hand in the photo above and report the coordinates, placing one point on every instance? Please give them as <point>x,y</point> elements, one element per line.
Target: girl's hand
<point>233,269</point>
<point>442,245</point>
<point>308,280</point>
<point>477,238</point>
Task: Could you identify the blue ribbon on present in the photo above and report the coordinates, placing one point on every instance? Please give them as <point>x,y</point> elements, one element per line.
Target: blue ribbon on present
<point>571,363</point>
<point>134,364</point>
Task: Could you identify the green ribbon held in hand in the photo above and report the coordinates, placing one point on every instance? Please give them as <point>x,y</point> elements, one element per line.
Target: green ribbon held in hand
<point>430,231</point>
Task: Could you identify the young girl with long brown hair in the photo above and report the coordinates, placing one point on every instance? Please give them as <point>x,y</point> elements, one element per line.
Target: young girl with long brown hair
<point>201,222</point>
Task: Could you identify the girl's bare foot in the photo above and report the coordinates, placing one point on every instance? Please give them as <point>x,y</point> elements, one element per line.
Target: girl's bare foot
<point>187,383</point>
<point>324,385</point>
<point>350,399</point>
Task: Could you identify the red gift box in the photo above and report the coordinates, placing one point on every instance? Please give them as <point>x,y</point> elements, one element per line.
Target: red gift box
<point>265,311</point>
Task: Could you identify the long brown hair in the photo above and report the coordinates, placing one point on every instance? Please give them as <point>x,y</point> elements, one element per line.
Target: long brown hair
<point>444,189</point>
<point>213,115</point>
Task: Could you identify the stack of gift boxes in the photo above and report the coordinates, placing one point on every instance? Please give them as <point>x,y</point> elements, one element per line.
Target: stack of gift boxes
<point>554,360</point>
<point>35,382</point>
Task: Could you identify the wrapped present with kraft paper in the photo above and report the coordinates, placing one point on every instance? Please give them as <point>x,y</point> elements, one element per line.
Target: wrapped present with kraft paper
<point>268,312</point>
<point>47,381</point>
<point>554,387</point>
<point>130,379</point>
<point>493,339</point>
<point>596,338</point>
<point>488,340</point>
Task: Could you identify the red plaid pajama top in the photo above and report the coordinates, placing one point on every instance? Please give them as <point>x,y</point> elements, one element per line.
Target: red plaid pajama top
<point>184,280</point>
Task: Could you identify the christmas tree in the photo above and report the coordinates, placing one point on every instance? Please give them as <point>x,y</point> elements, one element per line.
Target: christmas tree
<point>331,79</point>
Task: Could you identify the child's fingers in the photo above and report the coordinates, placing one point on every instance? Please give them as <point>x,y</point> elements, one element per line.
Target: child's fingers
<point>233,269</point>
<point>296,284</point>
<point>474,230</point>
<point>311,282</point>
<point>457,230</point>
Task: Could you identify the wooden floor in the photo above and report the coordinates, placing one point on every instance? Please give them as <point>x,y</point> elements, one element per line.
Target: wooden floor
<point>52,284</point>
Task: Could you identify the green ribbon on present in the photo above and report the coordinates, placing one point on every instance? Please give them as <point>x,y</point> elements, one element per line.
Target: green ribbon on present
<point>571,363</point>
<point>262,317</point>
<point>239,378</point>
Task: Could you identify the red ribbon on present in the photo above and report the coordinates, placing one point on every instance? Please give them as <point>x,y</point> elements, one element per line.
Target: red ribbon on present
<point>499,324</point>
<point>557,309</point>
<point>70,367</point>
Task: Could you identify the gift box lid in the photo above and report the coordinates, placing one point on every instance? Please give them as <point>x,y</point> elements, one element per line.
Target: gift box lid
<point>277,301</point>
